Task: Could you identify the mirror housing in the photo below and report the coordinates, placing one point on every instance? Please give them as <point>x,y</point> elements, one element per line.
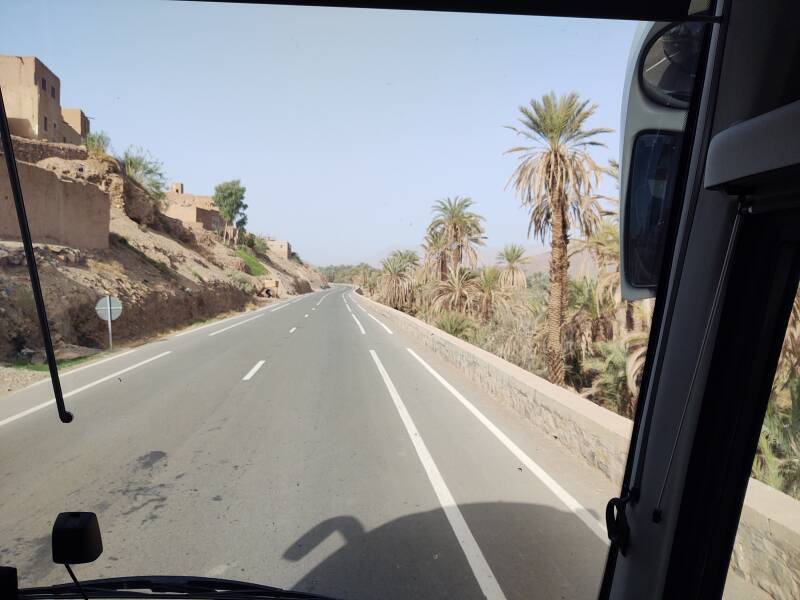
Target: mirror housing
<point>658,84</point>
<point>76,538</point>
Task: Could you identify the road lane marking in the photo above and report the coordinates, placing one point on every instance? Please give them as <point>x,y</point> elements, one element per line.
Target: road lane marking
<point>313,308</point>
<point>369,314</point>
<point>253,371</point>
<point>38,407</point>
<point>359,324</point>
<point>477,562</point>
<point>281,306</point>
<point>305,316</point>
<point>293,329</point>
<point>349,309</point>
<point>76,369</point>
<point>563,495</point>
<point>389,331</point>
<point>323,298</point>
<point>212,334</point>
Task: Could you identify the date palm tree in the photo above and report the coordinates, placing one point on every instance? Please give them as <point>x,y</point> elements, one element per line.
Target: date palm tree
<point>490,292</point>
<point>460,228</point>
<point>456,293</point>
<point>436,258</point>
<point>555,179</point>
<point>512,257</point>
<point>394,282</point>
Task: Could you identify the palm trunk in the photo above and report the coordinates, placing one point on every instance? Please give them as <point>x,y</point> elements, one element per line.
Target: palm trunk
<point>629,324</point>
<point>558,292</point>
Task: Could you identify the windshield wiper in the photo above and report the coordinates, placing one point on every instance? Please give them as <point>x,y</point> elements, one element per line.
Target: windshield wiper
<point>166,587</point>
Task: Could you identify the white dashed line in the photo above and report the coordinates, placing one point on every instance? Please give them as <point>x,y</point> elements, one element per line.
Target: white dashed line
<point>253,371</point>
<point>305,316</point>
<point>234,325</point>
<point>569,501</point>
<point>480,568</point>
<point>293,329</point>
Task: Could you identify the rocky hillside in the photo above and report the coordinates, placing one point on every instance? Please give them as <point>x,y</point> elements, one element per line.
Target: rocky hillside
<point>166,274</point>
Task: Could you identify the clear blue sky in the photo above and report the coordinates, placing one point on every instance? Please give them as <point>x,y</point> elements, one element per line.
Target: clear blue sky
<point>344,125</point>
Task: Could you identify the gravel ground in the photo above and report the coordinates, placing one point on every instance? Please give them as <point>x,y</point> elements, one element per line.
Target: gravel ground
<point>12,379</point>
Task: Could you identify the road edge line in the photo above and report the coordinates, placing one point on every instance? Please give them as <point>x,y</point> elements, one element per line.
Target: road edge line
<point>563,495</point>
<point>477,561</point>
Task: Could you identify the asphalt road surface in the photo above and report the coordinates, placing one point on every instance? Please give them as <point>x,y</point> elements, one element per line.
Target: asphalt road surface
<point>307,446</point>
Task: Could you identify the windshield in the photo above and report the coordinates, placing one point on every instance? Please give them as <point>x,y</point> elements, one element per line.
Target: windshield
<point>322,322</point>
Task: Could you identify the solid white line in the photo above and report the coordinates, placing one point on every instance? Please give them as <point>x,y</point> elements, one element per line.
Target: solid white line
<point>359,324</point>
<point>349,309</point>
<point>234,325</point>
<point>253,371</point>
<point>477,562</point>
<point>313,308</point>
<point>284,305</point>
<point>566,498</point>
<point>207,325</point>
<point>76,369</point>
<point>33,409</point>
<point>293,329</point>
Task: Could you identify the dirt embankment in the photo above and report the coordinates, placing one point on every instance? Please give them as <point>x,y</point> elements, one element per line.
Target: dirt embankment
<point>167,275</point>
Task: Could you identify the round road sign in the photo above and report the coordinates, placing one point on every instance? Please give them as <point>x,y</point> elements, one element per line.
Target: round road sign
<point>108,304</point>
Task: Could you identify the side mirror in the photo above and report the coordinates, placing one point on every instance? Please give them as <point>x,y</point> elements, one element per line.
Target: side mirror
<point>76,538</point>
<point>659,85</point>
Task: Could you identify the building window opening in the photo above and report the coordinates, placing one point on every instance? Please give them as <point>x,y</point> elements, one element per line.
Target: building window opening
<point>44,84</point>
<point>53,92</point>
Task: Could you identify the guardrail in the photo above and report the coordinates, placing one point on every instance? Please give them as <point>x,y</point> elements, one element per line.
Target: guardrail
<point>767,547</point>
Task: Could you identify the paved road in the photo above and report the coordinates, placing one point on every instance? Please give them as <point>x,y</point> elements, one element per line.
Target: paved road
<point>308,446</point>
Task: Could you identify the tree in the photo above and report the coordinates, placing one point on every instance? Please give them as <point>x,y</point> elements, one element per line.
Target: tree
<point>229,200</point>
<point>460,228</point>
<point>490,292</point>
<point>436,255</point>
<point>394,282</point>
<point>456,293</point>
<point>512,275</point>
<point>555,179</point>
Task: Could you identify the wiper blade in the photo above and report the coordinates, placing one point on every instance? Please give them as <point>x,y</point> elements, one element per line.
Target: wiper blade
<point>167,587</point>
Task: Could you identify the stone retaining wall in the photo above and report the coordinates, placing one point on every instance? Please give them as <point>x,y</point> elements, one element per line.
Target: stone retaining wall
<point>767,547</point>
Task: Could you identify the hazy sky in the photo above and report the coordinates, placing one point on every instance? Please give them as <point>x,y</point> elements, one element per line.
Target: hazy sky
<point>345,125</point>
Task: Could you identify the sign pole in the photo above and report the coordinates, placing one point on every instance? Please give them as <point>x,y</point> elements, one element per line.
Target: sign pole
<point>108,308</point>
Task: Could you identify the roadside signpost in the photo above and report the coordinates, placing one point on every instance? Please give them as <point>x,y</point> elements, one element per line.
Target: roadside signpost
<point>109,309</point>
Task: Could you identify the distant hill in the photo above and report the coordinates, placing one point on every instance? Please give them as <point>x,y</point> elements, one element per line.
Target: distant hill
<point>580,264</point>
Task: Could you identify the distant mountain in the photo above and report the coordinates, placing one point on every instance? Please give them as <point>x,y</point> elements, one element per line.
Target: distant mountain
<point>580,264</point>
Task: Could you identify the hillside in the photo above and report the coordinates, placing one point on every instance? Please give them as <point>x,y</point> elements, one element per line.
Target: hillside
<point>166,274</point>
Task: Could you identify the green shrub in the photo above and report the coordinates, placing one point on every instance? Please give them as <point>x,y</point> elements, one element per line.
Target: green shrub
<point>146,170</point>
<point>256,268</point>
<point>97,144</point>
<point>456,324</point>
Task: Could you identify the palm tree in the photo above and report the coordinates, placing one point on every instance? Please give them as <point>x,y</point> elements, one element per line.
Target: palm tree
<point>456,293</point>
<point>512,276</point>
<point>490,292</point>
<point>436,257</point>
<point>408,258</point>
<point>456,324</point>
<point>555,179</point>
<point>394,282</point>
<point>460,228</point>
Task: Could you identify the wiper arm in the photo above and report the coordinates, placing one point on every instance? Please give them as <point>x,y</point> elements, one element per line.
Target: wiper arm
<point>167,587</point>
